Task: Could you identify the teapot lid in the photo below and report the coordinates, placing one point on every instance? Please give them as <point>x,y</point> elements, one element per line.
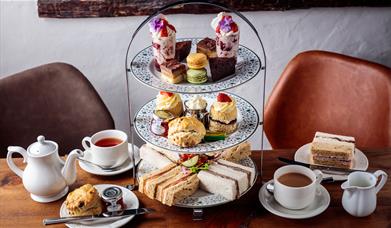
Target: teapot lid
<point>42,146</point>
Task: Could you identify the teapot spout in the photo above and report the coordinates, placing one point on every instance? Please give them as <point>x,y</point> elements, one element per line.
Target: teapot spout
<point>69,169</point>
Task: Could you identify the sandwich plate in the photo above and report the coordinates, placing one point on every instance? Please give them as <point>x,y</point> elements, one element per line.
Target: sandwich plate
<point>247,120</point>
<point>200,199</point>
<point>247,67</point>
<point>360,161</point>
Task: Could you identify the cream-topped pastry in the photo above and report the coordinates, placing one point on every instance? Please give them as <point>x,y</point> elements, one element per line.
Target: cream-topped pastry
<point>170,102</point>
<point>163,39</point>
<point>227,35</point>
<point>196,103</point>
<point>223,114</point>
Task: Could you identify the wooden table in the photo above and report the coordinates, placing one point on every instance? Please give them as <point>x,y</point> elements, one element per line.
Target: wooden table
<point>18,210</point>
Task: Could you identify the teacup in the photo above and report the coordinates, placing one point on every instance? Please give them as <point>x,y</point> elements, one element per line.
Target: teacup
<point>297,197</point>
<point>107,148</point>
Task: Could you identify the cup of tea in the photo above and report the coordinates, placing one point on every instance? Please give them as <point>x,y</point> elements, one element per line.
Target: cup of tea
<point>295,186</point>
<point>106,148</point>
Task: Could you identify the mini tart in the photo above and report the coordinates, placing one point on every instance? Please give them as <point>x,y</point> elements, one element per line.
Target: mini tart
<point>84,201</point>
<point>171,104</point>
<point>186,131</point>
<point>196,60</point>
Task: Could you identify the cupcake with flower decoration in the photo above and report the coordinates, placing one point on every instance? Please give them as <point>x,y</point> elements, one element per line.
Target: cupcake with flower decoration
<point>163,39</point>
<point>227,35</point>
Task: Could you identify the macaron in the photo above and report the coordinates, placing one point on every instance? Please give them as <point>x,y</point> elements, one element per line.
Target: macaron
<point>196,60</point>
<point>196,76</point>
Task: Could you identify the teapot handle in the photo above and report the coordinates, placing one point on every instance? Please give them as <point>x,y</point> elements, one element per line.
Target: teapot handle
<point>10,162</point>
<point>383,180</point>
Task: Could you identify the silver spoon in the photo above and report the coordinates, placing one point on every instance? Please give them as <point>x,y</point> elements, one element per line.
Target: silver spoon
<point>106,169</point>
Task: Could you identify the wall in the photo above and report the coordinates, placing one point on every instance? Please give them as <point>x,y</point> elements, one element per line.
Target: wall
<point>97,46</point>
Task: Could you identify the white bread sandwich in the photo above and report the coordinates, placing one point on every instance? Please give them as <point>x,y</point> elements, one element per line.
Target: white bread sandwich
<point>226,178</point>
<point>153,157</point>
<point>173,156</point>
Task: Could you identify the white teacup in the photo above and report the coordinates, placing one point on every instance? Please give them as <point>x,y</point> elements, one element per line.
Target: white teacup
<point>108,156</point>
<point>296,198</point>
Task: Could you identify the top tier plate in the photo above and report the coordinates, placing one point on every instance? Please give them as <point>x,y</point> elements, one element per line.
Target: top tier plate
<point>143,70</point>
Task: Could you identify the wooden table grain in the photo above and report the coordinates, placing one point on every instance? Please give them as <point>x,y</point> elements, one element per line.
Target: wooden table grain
<point>19,210</point>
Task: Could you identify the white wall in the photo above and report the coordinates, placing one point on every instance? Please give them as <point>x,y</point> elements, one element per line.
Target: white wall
<point>97,46</point>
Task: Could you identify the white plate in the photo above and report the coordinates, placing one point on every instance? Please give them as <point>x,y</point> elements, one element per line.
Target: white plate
<point>127,165</point>
<point>247,67</point>
<point>320,204</point>
<point>247,120</point>
<point>360,162</point>
<point>200,199</point>
<point>129,198</point>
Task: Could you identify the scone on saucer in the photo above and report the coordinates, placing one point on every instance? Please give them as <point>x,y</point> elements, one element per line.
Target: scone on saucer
<point>84,201</point>
<point>223,114</point>
<point>170,102</point>
<point>186,131</point>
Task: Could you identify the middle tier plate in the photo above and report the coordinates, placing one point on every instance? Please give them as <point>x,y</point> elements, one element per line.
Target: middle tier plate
<point>247,120</point>
<point>247,67</point>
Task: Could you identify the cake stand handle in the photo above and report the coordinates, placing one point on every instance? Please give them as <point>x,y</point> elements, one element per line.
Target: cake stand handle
<point>198,214</point>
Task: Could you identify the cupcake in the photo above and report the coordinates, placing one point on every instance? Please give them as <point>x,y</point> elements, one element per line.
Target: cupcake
<point>163,39</point>
<point>196,107</point>
<point>223,114</point>
<point>227,35</point>
<point>170,102</point>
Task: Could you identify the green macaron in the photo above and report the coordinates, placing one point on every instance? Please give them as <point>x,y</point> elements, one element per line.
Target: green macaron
<point>196,76</point>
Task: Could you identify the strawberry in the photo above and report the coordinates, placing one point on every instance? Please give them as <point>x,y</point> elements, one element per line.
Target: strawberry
<point>168,94</point>
<point>222,97</point>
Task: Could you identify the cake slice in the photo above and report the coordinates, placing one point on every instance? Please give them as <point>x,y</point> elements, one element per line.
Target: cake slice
<point>173,71</point>
<point>208,47</point>
<point>221,67</point>
<point>182,50</point>
<point>332,150</point>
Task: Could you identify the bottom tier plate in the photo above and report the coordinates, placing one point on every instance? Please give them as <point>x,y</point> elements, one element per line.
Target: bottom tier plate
<point>201,199</point>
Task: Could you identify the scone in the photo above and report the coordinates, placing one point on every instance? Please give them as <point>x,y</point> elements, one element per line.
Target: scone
<point>223,114</point>
<point>170,102</point>
<point>186,131</point>
<point>84,201</point>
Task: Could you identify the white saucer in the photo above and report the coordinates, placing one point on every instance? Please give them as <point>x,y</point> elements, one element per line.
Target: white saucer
<point>127,165</point>
<point>129,198</point>
<point>320,204</point>
<point>360,162</point>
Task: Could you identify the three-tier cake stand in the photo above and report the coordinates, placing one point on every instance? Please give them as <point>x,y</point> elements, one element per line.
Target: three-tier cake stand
<point>139,65</point>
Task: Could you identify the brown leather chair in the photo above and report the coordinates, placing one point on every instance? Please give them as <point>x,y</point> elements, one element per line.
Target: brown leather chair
<point>329,92</point>
<point>54,100</point>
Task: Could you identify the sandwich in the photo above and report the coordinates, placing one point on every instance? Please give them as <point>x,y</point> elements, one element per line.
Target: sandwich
<point>173,156</point>
<point>153,157</point>
<point>333,150</point>
<point>226,178</point>
<point>169,185</point>
<point>237,153</point>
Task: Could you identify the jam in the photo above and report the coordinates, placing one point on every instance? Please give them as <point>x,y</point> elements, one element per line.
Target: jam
<point>160,122</point>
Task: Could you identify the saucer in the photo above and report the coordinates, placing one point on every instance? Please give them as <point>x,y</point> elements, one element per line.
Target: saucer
<point>129,198</point>
<point>127,165</point>
<point>320,204</point>
<point>360,162</point>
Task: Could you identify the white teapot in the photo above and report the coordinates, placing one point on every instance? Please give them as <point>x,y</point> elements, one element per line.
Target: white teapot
<point>359,196</point>
<point>46,176</point>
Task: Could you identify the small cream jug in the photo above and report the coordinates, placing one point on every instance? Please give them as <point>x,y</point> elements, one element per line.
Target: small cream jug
<point>359,196</point>
<point>46,176</point>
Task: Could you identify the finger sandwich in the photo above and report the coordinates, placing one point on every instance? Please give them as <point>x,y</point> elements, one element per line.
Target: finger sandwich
<point>332,150</point>
<point>154,157</point>
<point>226,178</point>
